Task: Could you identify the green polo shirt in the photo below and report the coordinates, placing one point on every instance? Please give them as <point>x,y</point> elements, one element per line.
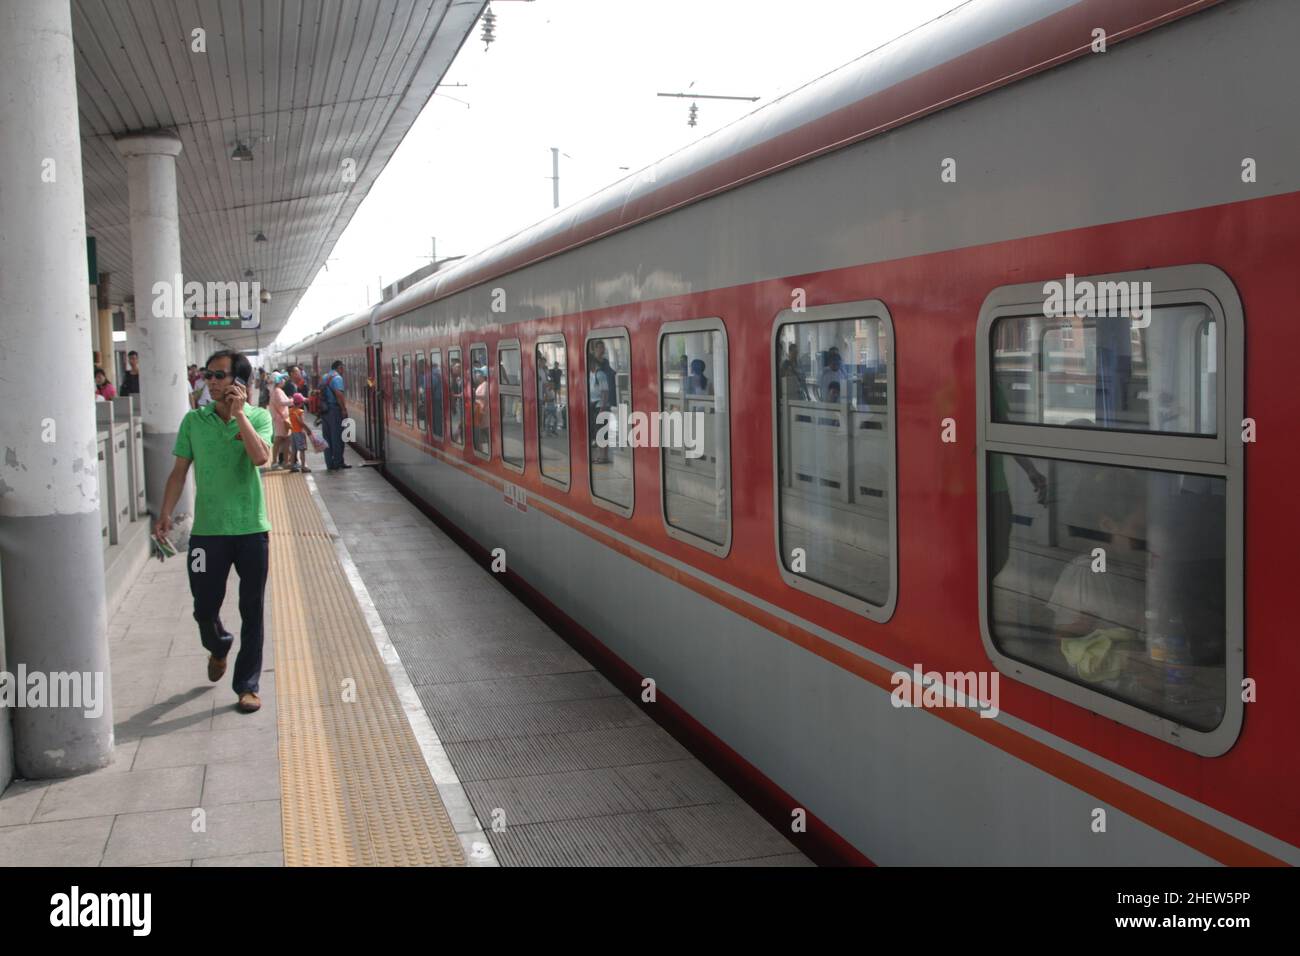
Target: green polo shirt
<point>228,487</point>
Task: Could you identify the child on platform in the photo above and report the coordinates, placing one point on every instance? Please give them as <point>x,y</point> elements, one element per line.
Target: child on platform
<point>298,432</point>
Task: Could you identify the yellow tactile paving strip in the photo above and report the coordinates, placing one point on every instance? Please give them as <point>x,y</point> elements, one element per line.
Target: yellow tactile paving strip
<point>355,790</point>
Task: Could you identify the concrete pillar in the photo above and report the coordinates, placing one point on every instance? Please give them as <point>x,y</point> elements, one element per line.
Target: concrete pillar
<point>156,258</point>
<point>50,548</point>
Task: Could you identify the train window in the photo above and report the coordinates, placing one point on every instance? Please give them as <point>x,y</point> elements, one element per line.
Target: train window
<point>456,389</point>
<point>406,389</point>
<point>609,388</point>
<point>395,386</point>
<point>835,480</point>
<point>1108,372</point>
<point>435,394</point>
<point>510,396</point>
<point>693,433</point>
<point>421,392</point>
<point>480,393</point>
<point>1111,561</point>
<point>553,410</point>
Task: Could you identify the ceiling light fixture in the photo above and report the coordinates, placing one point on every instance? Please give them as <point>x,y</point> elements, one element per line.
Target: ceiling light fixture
<point>242,154</point>
<point>260,237</point>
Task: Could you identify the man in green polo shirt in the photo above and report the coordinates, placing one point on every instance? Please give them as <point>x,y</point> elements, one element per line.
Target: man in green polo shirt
<point>226,441</point>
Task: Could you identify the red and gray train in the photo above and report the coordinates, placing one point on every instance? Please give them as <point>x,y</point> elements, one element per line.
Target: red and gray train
<point>944,490</point>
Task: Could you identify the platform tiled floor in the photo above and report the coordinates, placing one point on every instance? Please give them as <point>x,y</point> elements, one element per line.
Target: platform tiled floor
<point>193,781</point>
<point>555,764</point>
<point>570,771</point>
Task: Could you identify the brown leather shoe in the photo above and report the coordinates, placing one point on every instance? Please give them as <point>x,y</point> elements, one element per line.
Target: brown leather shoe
<point>216,667</point>
<point>249,702</point>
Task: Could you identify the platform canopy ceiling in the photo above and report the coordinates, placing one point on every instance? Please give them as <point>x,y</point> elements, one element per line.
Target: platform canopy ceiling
<point>304,84</point>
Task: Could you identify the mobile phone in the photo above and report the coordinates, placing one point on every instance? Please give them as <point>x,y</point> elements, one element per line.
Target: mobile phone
<point>241,382</point>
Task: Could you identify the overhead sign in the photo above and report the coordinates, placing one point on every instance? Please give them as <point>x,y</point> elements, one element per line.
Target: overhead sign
<point>213,305</point>
<point>206,323</point>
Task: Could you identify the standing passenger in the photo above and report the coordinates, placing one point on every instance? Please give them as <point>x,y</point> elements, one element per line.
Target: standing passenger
<point>280,421</point>
<point>131,380</point>
<point>298,432</point>
<point>334,405</point>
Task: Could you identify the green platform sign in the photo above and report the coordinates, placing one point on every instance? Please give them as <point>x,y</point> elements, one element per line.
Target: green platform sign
<point>204,323</point>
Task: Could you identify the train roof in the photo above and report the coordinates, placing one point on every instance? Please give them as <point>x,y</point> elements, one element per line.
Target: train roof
<point>978,47</point>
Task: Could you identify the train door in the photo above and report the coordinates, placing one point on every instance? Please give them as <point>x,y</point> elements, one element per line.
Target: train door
<point>375,402</point>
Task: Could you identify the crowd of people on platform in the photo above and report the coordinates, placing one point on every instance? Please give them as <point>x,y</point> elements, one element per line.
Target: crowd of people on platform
<point>288,394</point>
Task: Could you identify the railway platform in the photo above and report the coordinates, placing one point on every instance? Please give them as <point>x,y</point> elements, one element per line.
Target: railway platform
<point>415,712</point>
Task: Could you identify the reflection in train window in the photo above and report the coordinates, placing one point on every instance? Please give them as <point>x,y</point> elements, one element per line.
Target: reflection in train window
<point>834,448</point>
<point>1110,373</point>
<point>479,379</point>
<point>1117,581</point>
<point>421,381</point>
<point>435,394</point>
<point>693,431</point>
<point>406,389</point>
<point>553,411</point>
<point>395,386</point>
<point>609,385</point>
<point>510,397</point>
<point>456,390</point>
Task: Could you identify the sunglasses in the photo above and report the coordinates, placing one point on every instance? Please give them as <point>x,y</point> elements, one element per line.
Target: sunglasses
<point>219,376</point>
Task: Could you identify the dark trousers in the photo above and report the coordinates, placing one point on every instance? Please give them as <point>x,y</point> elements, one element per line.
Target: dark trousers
<point>332,422</point>
<point>249,555</point>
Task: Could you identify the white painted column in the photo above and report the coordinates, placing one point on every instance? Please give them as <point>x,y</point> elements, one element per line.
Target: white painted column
<point>159,293</point>
<point>50,544</point>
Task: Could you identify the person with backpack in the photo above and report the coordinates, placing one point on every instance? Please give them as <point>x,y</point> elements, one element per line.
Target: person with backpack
<point>334,408</point>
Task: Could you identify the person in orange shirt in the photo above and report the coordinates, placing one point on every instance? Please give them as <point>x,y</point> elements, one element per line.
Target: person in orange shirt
<point>298,432</point>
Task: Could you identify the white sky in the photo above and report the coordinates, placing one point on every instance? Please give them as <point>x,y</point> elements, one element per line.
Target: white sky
<point>580,75</point>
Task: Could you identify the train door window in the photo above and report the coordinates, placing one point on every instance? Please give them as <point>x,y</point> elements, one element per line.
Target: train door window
<point>553,410</point>
<point>510,397</point>
<point>421,392</point>
<point>456,391</point>
<point>834,437</point>
<point>481,397</point>
<point>436,394</point>
<point>609,388</point>
<point>406,389</point>
<point>395,387</point>
<point>1111,497</point>
<point>693,433</point>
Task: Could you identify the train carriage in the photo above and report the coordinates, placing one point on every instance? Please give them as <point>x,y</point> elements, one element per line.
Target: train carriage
<point>922,436</point>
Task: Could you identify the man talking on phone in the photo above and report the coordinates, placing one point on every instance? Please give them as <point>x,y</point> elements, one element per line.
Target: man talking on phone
<point>226,441</point>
